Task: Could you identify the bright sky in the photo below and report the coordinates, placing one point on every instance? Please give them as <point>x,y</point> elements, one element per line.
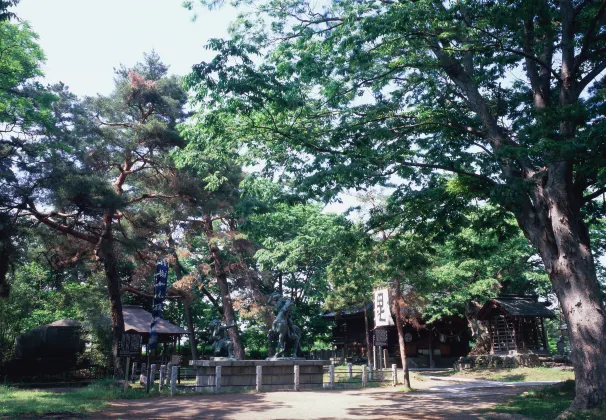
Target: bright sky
<point>85,39</point>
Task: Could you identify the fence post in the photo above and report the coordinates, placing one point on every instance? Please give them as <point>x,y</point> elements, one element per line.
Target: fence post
<point>173,380</point>
<point>370,371</point>
<point>134,374</point>
<point>199,375</point>
<point>218,379</point>
<point>349,371</point>
<point>394,374</point>
<point>331,375</point>
<point>259,378</point>
<point>152,375</point>
<point>169,371</point>
<point>162,376</point>
<point>297,377</point>
<point>364,376</point>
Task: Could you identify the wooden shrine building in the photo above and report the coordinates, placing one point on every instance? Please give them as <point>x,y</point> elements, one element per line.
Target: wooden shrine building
<point>438,344</point>
<point>138,321</point>
<point>516,324</point>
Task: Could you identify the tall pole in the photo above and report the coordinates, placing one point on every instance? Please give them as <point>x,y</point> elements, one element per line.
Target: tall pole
<point>400,329</point>
<point>368,348</point>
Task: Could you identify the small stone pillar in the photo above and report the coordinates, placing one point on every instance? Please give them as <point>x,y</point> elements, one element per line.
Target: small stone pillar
<point>386,358</point>
<point>370,371</point>
<point>134,373</point>
<point>349,371</point>
<point>331,376</point>
<point>173,379</point>
<point>297,377</point>
<point>218,379</point>
<point>259,378</point>
<point>374,357</point>
<point>169,370</point>
<point>364,376</point>
<point>162,376</point>
<point>394,374</point>
<point>152,375</point>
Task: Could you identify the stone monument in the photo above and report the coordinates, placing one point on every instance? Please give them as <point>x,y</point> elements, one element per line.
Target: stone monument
<point>284,370</point>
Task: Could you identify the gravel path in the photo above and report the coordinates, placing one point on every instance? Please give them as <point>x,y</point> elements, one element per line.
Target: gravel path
<point>432,400</point>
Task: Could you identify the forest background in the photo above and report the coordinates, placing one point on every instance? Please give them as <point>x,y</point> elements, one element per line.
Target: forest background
<point>226,171</point>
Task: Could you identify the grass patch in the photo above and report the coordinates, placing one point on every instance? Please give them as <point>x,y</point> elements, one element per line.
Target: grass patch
<point>522,374</point>
<point>92,398</point>
<point>547,404</point>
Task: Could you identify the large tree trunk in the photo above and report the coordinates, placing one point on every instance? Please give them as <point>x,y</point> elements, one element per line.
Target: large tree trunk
<point>400,329</point>
<point>186,303</point>
<point>228,307</point>
<point>554,225</point>
<point>190,328</point>
<point>105,251</point>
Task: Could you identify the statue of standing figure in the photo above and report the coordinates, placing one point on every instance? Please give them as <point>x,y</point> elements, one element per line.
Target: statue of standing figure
<point>221,340</point>
<point>283,330</point>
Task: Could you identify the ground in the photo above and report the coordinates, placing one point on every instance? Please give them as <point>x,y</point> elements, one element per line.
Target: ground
<point>434,397</point>
<point>435,400</point>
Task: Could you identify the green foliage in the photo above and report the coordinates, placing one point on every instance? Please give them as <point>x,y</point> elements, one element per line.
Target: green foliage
<point>39,297</point>
<point>415,96</point>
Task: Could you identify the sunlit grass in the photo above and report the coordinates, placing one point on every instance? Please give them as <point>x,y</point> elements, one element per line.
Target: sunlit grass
<point>547,404</point>
<point>522,374</point>
<point>92,398</point>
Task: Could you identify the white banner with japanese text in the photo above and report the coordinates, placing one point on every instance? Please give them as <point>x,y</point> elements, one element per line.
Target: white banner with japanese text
<point>382,312</point>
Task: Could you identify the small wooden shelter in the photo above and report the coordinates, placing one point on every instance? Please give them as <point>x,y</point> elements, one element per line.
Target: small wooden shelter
<point>516,324</point>
<point>137,320</point>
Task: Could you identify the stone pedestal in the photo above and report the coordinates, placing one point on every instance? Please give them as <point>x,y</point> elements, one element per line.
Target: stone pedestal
<point>240,375</point>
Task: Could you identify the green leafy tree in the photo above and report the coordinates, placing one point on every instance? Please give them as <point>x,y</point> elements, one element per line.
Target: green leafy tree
<point>107,171</point>
<point>507,98</point>
<point>296,244</point>
<point>24,109</point>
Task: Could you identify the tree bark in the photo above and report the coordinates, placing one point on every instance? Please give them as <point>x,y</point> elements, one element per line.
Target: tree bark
<point>228,307</point>
<point>105,251</point>
<point>399,327</point>
<point>554,224</point>
<point>186,304</point>
<point>190,327</point>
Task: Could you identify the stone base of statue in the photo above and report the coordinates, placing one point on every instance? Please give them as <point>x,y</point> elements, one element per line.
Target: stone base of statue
<point>284,358</point>
<point>262,375</point>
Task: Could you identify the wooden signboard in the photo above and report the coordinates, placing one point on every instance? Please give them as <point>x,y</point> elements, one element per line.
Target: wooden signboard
<point>130,345</point>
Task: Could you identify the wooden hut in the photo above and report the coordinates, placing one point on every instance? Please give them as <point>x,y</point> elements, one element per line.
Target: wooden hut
<point>516,324</point>
<point>138,321</point>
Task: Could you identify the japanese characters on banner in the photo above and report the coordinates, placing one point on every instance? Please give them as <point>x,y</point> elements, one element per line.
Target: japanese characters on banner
<point>382,312</point>
<point>159,295</point>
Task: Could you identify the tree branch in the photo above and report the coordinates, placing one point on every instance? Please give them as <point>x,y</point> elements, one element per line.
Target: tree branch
<point>594,194</point>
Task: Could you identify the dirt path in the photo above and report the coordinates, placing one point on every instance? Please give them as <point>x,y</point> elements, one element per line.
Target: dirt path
<point>435,400</point>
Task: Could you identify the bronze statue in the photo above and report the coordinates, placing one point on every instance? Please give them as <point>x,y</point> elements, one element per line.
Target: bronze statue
<point>283,328</point>
<point>221,341</point>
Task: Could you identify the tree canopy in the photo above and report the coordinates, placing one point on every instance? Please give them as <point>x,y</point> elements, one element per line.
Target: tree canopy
<point>506,98</point>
